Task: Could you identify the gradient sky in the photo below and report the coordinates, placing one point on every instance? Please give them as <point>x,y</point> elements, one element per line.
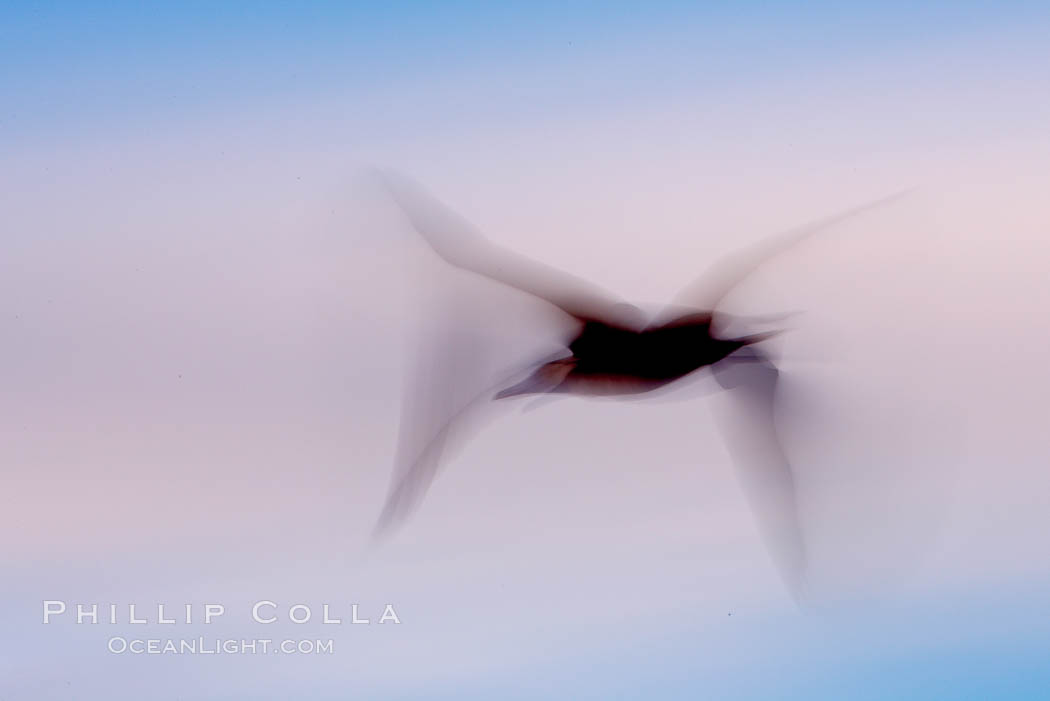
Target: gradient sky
<point>208,315</point>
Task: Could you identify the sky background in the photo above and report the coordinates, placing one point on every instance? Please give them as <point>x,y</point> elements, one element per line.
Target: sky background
<point>209,316</point>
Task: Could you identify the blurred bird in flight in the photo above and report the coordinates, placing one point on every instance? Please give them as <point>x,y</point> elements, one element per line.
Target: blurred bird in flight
<point>612,349</point>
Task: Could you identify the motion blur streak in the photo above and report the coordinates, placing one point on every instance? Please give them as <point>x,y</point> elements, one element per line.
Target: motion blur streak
<point>613,350</point>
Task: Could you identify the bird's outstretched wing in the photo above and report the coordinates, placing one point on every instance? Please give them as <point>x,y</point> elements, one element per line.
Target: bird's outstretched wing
<point>437,416</point>
<point>463,359</point>
<point>763,469</point>
<point>764,472</point>
<point>710,290</point>
<point>459,243</point>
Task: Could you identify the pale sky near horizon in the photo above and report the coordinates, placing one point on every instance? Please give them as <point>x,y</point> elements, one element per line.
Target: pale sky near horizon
<point>208,316</point>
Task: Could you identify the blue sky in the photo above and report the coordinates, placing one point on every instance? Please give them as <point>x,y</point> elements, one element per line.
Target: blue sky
<point>74,69</point>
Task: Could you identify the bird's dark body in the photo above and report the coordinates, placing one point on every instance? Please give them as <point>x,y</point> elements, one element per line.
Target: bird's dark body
<point>664,352</point>
<point>609,359</point>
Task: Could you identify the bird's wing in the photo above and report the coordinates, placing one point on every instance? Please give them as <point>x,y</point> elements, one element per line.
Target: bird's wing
<point>429,425</point>
<point>711,289</point>
<point>460,244</point>
<point>763,469</point>
<point>441,409</point>
<point>476,338</point>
